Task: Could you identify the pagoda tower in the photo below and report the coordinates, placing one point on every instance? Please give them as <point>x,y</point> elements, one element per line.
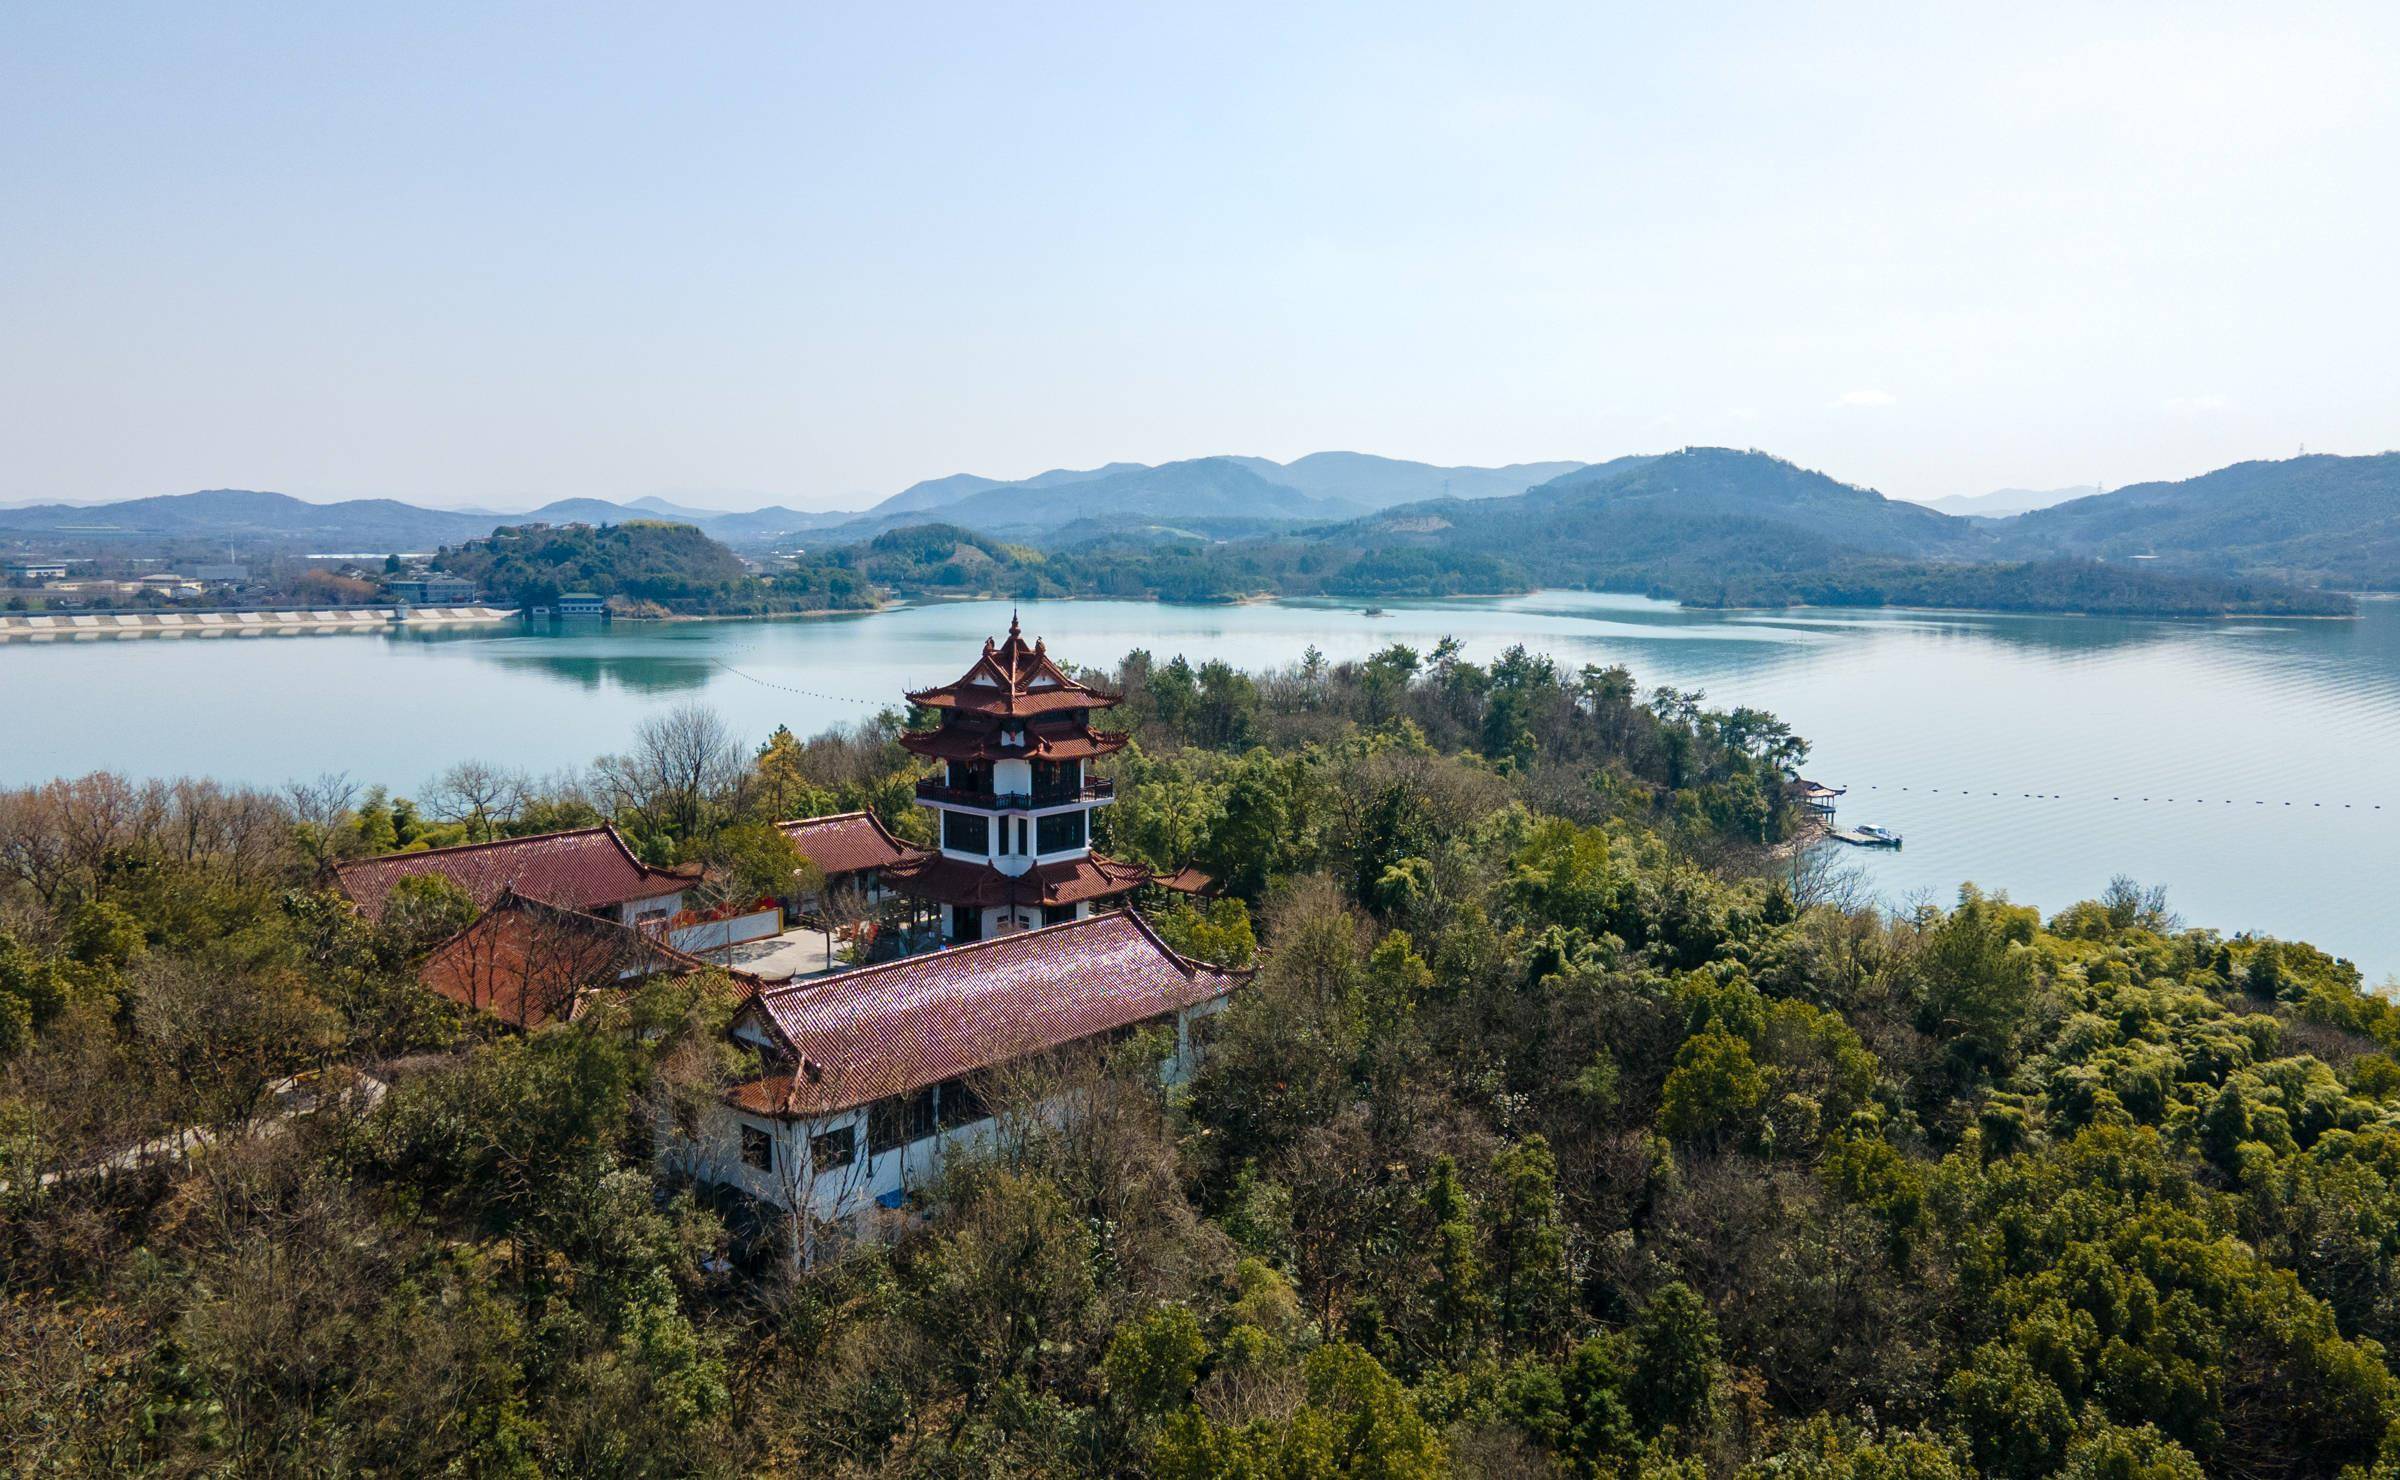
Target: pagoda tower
<point>1015,796</point>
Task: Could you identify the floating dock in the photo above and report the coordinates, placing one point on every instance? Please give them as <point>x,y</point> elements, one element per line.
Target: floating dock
<point>1864,837</point>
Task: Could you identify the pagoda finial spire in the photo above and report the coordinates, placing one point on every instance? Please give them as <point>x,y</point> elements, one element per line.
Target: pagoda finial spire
<point>1012,622</point>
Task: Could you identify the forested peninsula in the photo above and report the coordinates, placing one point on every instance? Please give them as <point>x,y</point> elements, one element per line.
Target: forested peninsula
<point>1574,1123</point>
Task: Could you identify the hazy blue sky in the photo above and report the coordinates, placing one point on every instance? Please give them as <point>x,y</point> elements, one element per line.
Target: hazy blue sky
<point>492,253</point>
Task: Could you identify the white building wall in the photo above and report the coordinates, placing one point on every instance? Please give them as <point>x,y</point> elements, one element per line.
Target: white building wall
<point>847,1193</point>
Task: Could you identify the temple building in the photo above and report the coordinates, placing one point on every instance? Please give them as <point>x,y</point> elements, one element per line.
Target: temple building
<point>1015,797</point>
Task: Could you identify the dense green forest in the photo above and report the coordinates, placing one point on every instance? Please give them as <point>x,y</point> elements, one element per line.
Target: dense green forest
<point>1574,1125</point>
<point>645,565</point>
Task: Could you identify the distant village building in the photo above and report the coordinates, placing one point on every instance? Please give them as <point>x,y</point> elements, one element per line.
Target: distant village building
<point>1015,798</point>
<point>429,590</point>
<point>26,572</point>
<point>582,604</point>
<point>221,574</point>
<point>587,869</point>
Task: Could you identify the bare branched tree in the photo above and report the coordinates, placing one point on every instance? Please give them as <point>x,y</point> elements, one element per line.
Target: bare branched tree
<point>684,767</point>
<point>484,797</point>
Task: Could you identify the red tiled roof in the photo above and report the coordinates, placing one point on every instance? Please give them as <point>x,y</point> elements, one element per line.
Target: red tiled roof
<point>1186,880</point>
<point>528,962</point>
<point>1014,679</point>
<point>891,1029</point>
<point>585,869</point>
<point>956,743</point>
<point>953,881</point>
<point>847,842</point>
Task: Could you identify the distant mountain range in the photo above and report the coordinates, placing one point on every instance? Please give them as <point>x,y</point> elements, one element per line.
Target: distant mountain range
<point>2001,503</point>
<point>1704,523</point>
<point>1197,493</point>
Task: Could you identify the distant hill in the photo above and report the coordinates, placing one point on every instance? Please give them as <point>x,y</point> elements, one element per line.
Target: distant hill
<point>653,504</point>
<point>364,524</point>
<point>2001,503</point>
<point>940,493</point>
<point>1204,488</point>
<point>240,512</point>
<point>1708,527</point>
<point>1379,482</point>
<point>2319,520</point>
<point>1361,479</point>
<point>1698,508</point>
<point>644,564</point>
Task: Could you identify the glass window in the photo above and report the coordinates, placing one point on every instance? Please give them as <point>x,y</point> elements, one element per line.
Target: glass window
<point>758,1149</point>
<point>967,832</point>
<point>835,1148</point>
<point>896,1120</point>
<point>962,1103</point>
<point>1057,914</point>
<point>1059,831</point>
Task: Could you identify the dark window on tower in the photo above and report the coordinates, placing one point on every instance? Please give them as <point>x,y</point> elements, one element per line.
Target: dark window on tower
<point>758,1149</point>
<point>967,832</point>
<point>1058,831</point>
<point>1057,914</point>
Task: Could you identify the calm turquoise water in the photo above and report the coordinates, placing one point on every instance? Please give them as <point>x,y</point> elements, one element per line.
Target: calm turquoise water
<point>2253,768</point>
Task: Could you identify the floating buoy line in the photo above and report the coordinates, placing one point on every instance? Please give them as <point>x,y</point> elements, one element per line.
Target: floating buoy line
<point>804,693</point>
<point>2123,797</point>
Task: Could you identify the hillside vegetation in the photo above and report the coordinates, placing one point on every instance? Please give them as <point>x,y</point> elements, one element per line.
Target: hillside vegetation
<point>2320,520</point>
<point>1565,1131</point>
<point>644,563</point>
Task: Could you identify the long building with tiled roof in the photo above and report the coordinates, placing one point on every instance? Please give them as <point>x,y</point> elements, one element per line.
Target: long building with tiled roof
<point>530,963</point>
<point>876,1073</point>
<point>846,844</point>
<point>1014,799</point>
<point>588,869</point>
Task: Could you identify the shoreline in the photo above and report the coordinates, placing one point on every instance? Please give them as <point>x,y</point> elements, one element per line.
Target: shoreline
<point>43,627</point>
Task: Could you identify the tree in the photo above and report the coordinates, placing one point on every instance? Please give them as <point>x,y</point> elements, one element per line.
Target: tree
<point>684,768</point>
<point>1526,1233</point>
<point>1715,1090</point>
<point>1153,1360</point>
<point>1671,1378</point>
<point>1457,1297</point>
<point>1978,981</point>
<point>1253,830</point>
<point>482,798</point>
<point>2016,1418</point>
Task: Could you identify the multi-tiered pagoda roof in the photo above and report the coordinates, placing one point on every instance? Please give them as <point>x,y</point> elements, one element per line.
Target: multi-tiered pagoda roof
<point>1015,704</point>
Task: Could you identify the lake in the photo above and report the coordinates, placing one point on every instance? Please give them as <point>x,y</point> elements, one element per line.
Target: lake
<point>2252,767</point>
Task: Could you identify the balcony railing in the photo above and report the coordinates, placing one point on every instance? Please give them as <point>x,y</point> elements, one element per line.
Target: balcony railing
<point>1093,789</point>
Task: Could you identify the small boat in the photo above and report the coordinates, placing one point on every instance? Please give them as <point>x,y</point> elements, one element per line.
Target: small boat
<point>1866,836</point>
<point>1376,611</point>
